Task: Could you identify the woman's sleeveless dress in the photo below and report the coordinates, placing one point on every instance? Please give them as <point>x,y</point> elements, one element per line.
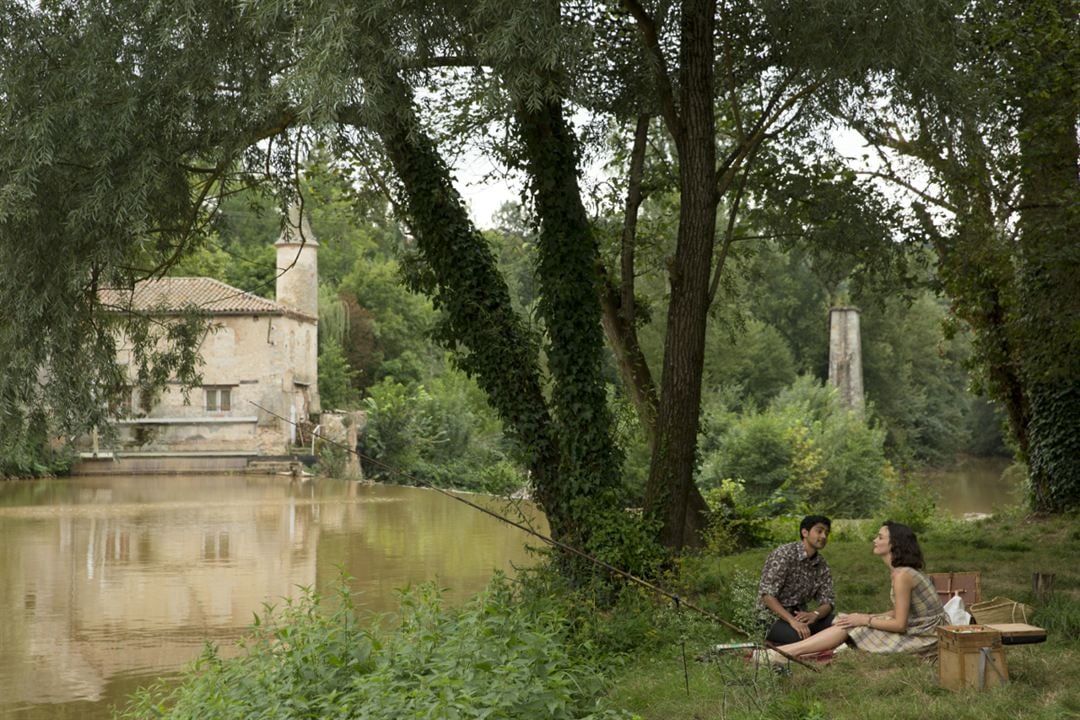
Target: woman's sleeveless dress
<point>924,617</point>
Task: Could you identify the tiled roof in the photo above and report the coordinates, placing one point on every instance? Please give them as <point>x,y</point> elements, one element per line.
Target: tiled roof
<point>178,294</point>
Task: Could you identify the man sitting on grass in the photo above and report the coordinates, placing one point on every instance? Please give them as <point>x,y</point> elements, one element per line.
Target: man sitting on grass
<point>795,574</point>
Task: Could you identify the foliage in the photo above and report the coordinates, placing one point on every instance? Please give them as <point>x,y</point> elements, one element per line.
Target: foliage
<point>398,322</point>
<point>911,501</point>
<point>239,249</point>
<point>607,619</point>
<point>442,433</point>
<point>993,129</point>
<point>312,659</point>
<point>756,358</point>
<point>392,436</point>
<point>735,523</point>
<point>332,460</point>
<point>805,452</point>
<point>632,445</point>
<point>916,378</point>
<point>336,379</point>
<point>32,451</point>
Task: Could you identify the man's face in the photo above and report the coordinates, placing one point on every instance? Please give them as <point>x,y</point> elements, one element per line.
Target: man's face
<point>817,537</point>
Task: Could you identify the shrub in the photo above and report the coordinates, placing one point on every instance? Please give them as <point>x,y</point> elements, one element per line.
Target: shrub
<point>442,434</point>
<point>333,460</point>
<point>735,523</point>
<point>29,450</point>
<point>911,501</point>
<point>392,436</point>
<point>738,601</point>
<point>494,657</point>
<point>803,453</point>
<point>337,379</point>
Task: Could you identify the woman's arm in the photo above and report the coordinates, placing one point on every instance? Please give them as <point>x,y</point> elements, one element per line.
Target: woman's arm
<point>896,620</point>
<point>893,621</point>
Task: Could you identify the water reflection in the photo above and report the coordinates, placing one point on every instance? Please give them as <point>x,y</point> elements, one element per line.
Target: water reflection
<point>107,582</point>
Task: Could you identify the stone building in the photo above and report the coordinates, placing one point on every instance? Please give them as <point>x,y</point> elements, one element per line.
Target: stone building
<point>256,351</point>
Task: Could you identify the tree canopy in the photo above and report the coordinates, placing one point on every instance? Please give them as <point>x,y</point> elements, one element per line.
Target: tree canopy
<point>126,128</point>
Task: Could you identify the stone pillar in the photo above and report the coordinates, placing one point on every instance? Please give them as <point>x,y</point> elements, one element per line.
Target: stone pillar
<point>845,357</point>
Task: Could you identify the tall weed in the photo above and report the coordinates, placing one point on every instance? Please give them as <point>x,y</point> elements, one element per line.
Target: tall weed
<point>496,657</point>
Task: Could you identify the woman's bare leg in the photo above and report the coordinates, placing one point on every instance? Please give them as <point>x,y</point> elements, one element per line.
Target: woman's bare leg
<point>829,638</point>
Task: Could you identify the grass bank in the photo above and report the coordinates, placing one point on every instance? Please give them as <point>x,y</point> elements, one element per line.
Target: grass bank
<point>538,648</point>
<point>1006,549</point>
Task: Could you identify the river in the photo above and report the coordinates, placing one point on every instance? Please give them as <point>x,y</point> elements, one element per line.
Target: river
<point>107,583</point>
<point>975,485</point>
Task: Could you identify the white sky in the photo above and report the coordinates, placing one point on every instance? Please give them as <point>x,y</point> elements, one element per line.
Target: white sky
<point>483,195</point>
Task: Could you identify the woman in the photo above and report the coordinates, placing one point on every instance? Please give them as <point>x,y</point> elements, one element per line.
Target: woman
<point>911,625</point>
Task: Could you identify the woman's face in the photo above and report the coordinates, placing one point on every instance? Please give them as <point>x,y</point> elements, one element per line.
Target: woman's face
<point>881,542</point>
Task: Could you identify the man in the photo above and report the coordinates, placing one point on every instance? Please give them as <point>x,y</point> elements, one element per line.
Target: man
<point>795,574</point>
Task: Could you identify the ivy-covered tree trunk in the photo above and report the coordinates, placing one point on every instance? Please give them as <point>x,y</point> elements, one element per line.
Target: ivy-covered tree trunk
<point>590,471</point>
<point>465,284</point>
<point>1049,260</point>
<point>671,473</point>
<point>976,267</point>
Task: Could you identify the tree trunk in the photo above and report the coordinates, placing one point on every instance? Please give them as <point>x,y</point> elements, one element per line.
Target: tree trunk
<point>570,306</point>
<point>630,360</point>
<point>671,473</point>
<point>1049,258</point>
<point>466,286</point>
<point>618,305</point>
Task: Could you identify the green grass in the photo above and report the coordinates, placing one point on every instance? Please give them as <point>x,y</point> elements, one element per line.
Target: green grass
<point>1044,679</point>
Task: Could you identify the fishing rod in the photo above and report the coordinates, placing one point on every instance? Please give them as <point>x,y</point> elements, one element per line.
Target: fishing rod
<point>676,599</point>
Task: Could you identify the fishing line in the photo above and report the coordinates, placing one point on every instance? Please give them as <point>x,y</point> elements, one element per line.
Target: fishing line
<point>679,601</point>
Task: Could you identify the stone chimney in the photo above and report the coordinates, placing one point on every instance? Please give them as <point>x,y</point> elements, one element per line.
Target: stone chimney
<point>845,357</point>
<point>298,265</point>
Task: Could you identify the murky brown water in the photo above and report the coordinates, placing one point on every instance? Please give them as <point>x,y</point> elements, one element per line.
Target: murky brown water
<point>107,583</point>
<point>976,485</point>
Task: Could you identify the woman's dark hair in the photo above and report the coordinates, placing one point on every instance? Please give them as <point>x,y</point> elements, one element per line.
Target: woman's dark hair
<point>904,546</point>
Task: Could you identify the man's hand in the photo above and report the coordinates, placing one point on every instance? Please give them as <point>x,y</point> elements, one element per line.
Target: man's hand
<point>800,627</point>
<point>806,617</point>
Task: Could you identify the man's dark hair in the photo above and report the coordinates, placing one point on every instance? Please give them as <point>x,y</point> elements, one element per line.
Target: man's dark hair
<point>811,520</point>
<point>904,546</point>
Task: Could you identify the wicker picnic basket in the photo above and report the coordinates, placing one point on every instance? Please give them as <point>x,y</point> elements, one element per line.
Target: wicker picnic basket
<point>1001,610</point>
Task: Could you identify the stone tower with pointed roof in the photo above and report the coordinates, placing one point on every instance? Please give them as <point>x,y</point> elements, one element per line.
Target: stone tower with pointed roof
<point>298,265</point>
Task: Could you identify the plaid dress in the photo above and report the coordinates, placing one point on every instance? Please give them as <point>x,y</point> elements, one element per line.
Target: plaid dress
<point>924,616</point>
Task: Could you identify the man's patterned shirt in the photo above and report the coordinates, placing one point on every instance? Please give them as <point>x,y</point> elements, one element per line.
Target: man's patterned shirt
<point>794,579</point>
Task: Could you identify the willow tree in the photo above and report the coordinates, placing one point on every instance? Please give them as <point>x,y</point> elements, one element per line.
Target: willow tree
<point>151,114</point>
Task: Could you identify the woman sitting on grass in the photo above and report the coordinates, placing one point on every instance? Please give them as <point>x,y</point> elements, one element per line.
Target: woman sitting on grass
<point>911,625</point>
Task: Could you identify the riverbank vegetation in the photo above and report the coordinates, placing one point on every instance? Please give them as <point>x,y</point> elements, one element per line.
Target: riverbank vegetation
<point>539,647</point>
<point>501,655</point>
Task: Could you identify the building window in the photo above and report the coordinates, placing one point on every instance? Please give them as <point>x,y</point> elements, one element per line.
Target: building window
<point>218,399</point>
